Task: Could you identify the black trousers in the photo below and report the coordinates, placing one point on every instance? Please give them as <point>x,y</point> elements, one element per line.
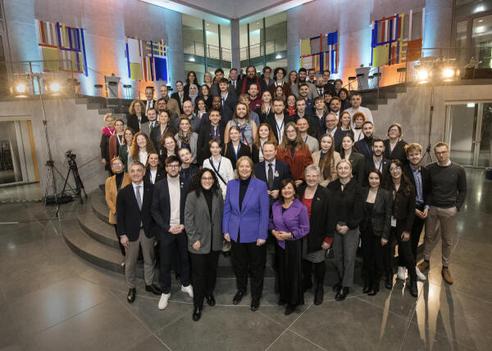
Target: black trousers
<point>418,225</point>
<point>249,258</point>
<point>170,246</point>
<point>372,259</point>
<point>290,273</point>
<point>122,248</point>
<point>204,275</point>
<point>404,250</point>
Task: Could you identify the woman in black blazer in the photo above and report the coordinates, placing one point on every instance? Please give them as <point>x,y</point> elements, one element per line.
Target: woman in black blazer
<point>375,231</point>
<point>356,159</point>
<point>203,222</point>
<point>346,212</point>
<point>394,146</point>
<point>401,225</point>
<point>234,148</point>
<point>320,237</point>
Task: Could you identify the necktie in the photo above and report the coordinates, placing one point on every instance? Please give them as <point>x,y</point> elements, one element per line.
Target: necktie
<point>139,197</point>
<point>223,101</point>
<point>270,176</point>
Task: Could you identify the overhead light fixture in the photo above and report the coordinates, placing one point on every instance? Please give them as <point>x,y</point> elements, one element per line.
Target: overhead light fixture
<point>479,8</point>
<point>470,105</point>
<point>278,57</point>
<point>480,29</point>
<point>191,59</point>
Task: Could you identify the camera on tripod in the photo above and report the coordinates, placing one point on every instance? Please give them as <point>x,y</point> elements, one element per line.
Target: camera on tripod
<point>70,155</point>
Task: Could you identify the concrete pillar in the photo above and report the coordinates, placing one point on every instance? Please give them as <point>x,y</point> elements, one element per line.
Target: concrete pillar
<point>235,44</point>
<point>175,56</point>
<point>293,44</point>
<point>22,38</point>
<point>438,21</point>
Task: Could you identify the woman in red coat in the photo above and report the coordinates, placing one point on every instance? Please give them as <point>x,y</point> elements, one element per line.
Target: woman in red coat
<point>294,152</point>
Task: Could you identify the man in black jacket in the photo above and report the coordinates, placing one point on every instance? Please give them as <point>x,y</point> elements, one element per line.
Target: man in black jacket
<point>377,162</point>
<point>135,228</point>
<point>168,213</point>
<point>364,145</point>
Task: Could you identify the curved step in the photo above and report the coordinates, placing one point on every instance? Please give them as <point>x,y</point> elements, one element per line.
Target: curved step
<point>96,228</point>
<point>98,205</point>
<point>91,250</point>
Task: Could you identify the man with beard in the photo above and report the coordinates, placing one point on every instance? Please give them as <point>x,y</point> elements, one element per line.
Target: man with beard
<point>364,146</point>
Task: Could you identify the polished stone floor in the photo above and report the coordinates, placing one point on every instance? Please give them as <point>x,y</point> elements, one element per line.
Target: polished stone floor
<point>50,299</point>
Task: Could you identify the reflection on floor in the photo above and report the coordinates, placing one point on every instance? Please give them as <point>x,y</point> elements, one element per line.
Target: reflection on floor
<point>20,193</point>
<point>52,300</point>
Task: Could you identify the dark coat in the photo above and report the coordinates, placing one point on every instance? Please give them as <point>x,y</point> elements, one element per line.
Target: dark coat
<point>398,152</point>
<point>161,207</point>
<point>380,218</point>
<point>347,205</point>
<point>129,217</point>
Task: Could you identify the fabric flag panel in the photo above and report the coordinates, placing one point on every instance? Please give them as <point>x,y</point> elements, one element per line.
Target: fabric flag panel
<point>146,60</point>
<point>62,47</point>
<point>305,47</point>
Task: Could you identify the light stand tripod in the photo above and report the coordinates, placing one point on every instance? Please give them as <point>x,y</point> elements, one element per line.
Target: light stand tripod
<point>427,156</point>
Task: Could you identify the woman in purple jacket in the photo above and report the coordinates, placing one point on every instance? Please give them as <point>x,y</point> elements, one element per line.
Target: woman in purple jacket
<point>245,225</point>
<point>290,222</point>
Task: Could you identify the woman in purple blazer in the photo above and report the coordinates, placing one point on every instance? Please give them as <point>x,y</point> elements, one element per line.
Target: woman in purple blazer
<point>290,222</point>
<point>245,225</point>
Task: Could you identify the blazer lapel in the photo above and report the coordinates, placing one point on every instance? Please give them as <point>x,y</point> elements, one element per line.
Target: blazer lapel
<point>205,205</point>
<point>134,198</point>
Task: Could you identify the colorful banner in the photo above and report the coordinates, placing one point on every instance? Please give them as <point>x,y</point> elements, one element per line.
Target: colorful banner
<point>62,47</point>
<point>324,56</point>
<point>390,45</point>
<point>146,60</point>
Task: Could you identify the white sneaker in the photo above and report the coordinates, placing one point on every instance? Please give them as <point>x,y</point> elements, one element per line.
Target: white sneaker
<point>187,289</point>
<point>402,273</point>
<point>420,276</point>
<point>163,301</point>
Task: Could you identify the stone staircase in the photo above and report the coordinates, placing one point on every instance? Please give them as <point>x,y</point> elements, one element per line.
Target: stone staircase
<point>373,98</point>
<point>118,107</point>
<point>94,239</point>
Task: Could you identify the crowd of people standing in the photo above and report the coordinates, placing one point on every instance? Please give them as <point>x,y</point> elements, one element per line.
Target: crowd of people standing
<point>233,164</point>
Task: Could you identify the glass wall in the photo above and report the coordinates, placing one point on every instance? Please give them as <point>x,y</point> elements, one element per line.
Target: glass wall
<point>207,46</point>
<point>264,42</point>
<point>473,32</point>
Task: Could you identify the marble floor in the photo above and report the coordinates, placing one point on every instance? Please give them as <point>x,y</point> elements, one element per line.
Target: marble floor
<point>50,299</point>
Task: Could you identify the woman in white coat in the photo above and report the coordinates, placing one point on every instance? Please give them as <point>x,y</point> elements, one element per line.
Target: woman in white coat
<point>220,165</point>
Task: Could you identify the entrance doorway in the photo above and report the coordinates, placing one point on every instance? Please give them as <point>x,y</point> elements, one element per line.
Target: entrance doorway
<point>469,133</point>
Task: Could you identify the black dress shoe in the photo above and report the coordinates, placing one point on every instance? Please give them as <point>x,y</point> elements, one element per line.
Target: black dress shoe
<point>289,309</point>
<point>318,295</point>
<point>255,304</point>
<point>388,284</point>
<point>372,292</point>
<point>197,313</point>
<point>342,294</point>
<point>413,289</point>
<point>238,297</point>
<point>337,287</point>
<point>153,289</point>
<point>210,300</point>
<point>366,288</point>
<point>131,295</point>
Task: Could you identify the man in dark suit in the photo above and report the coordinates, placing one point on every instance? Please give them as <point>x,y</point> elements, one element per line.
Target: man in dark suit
<point>135,229</point>
<point>154,171</point>
<point>219,74</point>
<point>179,95</point>
<point>234,81</point>
<point>211,129</point>
<point>271,170</point>
<point>279,119</point>
<point>420,178</point>
<point>228,100</point>
<point>168,212</point>
<point>364,146</point>
<point>377,161</point>
<point>149,98</point>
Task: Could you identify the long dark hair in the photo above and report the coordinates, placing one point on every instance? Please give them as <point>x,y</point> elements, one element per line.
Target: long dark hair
<point>196,182</point>
<point>405,184</point>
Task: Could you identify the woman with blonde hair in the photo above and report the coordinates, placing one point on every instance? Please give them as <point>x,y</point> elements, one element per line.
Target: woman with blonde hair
<point>326,159</point>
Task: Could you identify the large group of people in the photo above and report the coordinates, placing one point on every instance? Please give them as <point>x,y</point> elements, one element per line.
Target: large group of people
<point>233,165</point>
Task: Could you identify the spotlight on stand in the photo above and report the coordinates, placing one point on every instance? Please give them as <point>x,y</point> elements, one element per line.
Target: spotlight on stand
<point>54,87</point>
<point>448,73</point>
<point>20,89</point>
<point>423,74</point>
